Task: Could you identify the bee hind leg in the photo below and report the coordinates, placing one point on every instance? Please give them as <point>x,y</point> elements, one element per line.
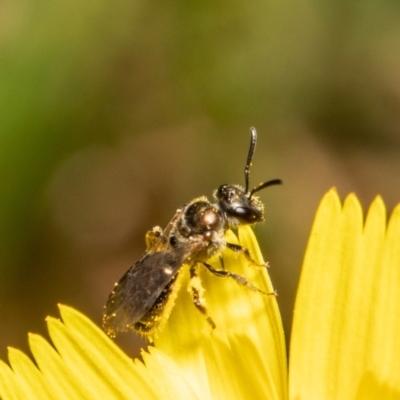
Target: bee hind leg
<point>197,290</point>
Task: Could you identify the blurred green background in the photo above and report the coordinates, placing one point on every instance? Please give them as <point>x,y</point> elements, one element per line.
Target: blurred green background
<point>113,114</point>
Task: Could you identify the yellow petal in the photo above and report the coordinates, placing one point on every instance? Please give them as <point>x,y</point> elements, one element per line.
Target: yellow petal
<point>344,341</point>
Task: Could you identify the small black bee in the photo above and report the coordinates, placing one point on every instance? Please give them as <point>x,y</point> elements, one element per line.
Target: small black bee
<point>195,233</point>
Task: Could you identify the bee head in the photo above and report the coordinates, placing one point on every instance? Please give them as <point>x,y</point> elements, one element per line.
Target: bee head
<point>240,205</point>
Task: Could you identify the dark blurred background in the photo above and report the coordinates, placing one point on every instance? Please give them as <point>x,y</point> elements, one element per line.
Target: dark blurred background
<point>113,114</point>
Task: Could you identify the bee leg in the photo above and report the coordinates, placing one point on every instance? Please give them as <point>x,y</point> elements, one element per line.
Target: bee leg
<point>238,278</point>
<point>197,291</point>
<point>152,235</point>
<point>237,248</point>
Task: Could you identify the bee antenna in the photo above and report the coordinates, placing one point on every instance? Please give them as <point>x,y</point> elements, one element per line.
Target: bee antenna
<point>264,185</point>
<point>253,141</point>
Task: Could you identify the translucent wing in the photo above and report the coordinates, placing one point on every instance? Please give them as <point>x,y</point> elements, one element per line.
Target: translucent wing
<point>140,287</point>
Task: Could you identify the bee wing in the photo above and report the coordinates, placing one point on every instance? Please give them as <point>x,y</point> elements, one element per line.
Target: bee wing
<point>143,283</point>
<point>139,289</point>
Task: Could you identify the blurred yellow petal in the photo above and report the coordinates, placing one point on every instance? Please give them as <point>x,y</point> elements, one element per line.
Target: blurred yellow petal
<point>244,356</point>
<point>345,342</point>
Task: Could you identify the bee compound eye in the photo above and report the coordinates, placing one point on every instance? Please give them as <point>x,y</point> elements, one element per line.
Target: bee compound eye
<point>247,214</point>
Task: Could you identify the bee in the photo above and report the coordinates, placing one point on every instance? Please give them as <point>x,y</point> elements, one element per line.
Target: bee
<point>195,233</point>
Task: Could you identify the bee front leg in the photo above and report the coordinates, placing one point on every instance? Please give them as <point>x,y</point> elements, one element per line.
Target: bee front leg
<point>197,290</point>
<point>152,235</point>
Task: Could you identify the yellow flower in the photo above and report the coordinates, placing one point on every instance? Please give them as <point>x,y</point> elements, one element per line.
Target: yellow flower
<point>344,343</point>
